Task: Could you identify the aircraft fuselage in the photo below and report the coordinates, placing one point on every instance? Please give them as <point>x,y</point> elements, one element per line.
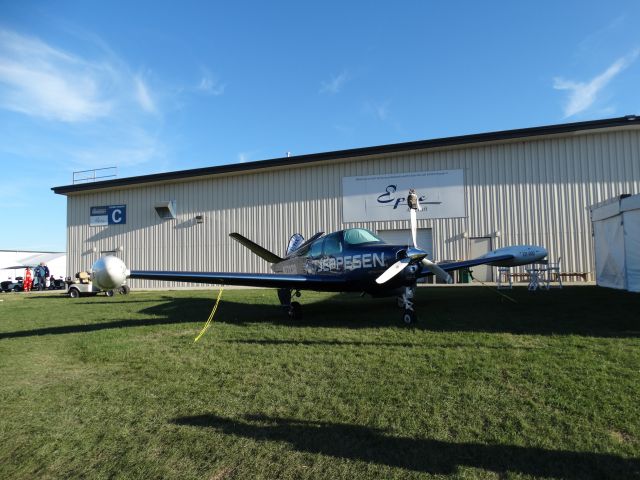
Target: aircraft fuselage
<point>359,258</point>
<point>356,258</point>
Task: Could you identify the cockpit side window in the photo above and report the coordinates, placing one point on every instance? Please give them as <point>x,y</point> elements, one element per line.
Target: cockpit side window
<point>315,250</point>
<point>332,244</point>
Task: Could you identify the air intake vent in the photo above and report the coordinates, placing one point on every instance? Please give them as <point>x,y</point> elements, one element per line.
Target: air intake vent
<point>166,210</point>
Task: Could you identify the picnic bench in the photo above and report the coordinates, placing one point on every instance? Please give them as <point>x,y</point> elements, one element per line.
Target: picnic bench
<point>544,274</point>
<point>524,276</point>
<point>583,275</point>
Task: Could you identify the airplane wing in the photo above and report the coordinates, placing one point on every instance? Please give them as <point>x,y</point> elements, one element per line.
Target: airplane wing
<point>269,280</point>
<point>257,249</point>
<point>450,266</point>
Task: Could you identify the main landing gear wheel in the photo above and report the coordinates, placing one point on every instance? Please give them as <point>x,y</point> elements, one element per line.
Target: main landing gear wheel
<point>295,311</point>
<point>110,293</point>
<point>409,317</point>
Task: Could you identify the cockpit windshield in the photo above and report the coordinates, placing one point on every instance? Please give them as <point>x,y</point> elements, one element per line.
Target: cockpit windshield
<point>360,236</point>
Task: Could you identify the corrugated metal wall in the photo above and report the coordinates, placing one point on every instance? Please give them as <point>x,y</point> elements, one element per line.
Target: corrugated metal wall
<point>534,191</point>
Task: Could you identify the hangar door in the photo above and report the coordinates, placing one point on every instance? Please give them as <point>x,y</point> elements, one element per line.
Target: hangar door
<point>403,237</point>
<point>424,238</point>
<point>480,246</point>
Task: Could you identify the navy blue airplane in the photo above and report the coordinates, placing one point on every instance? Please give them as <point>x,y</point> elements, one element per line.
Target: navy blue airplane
<point>351,260</point>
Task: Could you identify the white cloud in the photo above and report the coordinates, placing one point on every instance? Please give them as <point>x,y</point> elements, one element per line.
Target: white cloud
<point>336,83</point>
<point>210,85</point>
<point>142,95</point>
<point>128,147</point>
<point>248,156</point>
<point>582,95</point>
<point>39,80</point>
<point>101,102</point>
<point>602,36</point>
<point>127,156</point>
<point>379,110</point>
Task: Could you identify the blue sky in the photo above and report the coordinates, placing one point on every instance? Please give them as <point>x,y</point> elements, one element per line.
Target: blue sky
<point>152,86</point>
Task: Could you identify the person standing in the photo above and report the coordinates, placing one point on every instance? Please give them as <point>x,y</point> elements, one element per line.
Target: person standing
<point>46,274</point>
<point>28,280</point>
<point>40,273</point>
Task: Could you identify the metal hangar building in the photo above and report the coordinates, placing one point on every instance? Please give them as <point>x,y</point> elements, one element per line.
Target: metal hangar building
<point>481,192</point>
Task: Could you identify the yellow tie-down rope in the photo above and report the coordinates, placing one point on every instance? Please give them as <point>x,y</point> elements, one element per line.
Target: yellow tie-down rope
<point>210,319</point>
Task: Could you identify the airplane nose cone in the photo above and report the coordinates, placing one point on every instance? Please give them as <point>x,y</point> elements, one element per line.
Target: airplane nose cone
<point>109,273</point>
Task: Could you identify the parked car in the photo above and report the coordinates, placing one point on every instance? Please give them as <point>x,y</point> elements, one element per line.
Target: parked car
<point>82,285</point>
<point>12,285</point>
<point>56,283</point>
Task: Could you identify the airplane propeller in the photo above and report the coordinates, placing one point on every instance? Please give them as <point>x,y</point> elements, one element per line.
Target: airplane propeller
<point>414,255</point>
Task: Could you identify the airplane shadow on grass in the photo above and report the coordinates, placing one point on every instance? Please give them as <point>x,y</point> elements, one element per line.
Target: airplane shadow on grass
<point>422,455</point>
<point>190,310</point>
<point>586,311</point>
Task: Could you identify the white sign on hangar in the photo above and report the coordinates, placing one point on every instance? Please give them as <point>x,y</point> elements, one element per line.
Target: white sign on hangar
<point>384,197</point>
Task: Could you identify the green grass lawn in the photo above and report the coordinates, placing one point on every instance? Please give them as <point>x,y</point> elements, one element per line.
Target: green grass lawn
<point>548,387</point>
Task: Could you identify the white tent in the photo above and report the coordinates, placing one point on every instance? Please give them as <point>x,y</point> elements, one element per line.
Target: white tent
<point>13,262</point>
<point>616,236</point>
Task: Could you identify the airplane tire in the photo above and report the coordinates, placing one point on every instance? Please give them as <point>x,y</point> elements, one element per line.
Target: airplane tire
<point>110,293</point>
<point>409,317</point>
<point>295,311</point>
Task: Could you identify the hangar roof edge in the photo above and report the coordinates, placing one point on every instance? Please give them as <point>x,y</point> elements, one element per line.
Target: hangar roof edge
<point>628,120</point>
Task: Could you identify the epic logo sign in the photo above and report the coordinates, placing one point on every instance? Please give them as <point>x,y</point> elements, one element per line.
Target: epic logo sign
<point>377,197</point>
<point>388,198</point>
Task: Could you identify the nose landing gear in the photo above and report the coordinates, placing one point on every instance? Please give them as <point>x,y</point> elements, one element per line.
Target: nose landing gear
<point>409,317</point>
<point>405,301</point>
